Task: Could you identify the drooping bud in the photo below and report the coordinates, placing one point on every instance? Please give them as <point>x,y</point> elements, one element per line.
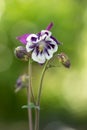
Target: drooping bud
<point>63,58</point>
<point>21,82</point>
<point>21,53</point>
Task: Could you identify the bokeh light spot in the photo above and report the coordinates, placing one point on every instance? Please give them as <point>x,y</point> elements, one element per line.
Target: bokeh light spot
<point>2,7</point>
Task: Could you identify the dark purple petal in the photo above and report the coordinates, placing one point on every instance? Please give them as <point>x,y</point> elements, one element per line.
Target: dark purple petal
<point>23,38</point>
<point>46,51</point>
<point>49,26</point>
<point>37,50</point>
<point>48,46</point>
<point>47,33</point>
<point>55,40</point>
<point>33,39</point>
<point>52,45</point>
<point>48,42</point>
<point>33,46</point>
<point>39,35</point>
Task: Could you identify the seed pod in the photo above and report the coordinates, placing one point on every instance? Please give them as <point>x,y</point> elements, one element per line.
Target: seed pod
<point>63,58</point>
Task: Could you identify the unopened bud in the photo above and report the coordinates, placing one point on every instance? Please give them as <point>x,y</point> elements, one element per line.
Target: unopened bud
<point>63,58</point>
<point>21,82</point>
<point>21,53</point>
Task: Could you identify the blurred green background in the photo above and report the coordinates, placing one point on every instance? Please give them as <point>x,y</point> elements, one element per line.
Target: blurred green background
<point>64,97</point>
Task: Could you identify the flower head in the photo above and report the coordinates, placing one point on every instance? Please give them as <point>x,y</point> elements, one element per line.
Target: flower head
<point>41,45</point>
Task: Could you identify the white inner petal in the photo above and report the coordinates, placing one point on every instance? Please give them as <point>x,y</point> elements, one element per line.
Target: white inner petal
<point>55,45</point>
<point>40,58</point>
<point>50,51</point>
<point>43,37</point>
<point>27,47</point>
<point>55,48</point>
<point>44,31</point>
<point>29,43</point>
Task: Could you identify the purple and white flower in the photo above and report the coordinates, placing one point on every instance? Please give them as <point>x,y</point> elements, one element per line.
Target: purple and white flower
<point>41,45</point>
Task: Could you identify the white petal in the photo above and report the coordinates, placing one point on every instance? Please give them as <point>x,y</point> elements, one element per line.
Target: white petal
<point>27,47</point>
<point>55,48</point>
<point>40,58</point>
<point>55,44</point>
<point>29,43</point>
<point>43,37</point>
<point>30,36</point>
<point>50,51</point>
<point>43,32</point>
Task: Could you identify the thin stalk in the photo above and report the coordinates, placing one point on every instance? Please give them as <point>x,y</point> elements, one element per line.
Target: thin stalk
<point>29,95</point>
<point>41,82</point>
<point>37,114</point>
<point>37,111</point>
<point>32,94</point>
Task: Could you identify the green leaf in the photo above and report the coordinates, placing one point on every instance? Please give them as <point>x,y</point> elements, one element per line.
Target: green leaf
<point>31,105</point>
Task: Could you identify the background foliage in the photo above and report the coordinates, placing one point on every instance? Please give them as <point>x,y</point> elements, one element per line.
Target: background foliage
<point>64,97</point>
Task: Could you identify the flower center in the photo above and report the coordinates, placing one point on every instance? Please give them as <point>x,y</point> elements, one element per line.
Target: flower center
<point>41,46</point>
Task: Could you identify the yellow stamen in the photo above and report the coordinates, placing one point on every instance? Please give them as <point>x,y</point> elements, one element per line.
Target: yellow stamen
<point>41,47</point>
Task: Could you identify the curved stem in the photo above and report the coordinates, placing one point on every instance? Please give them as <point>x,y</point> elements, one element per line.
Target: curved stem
<point>29,95</point>
<point>41,82</point>
<point>37,111</point>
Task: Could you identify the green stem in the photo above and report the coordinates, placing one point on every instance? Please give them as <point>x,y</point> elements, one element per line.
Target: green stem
<point>32,94</point>
<point>29,95</point>
<point>41,82</point>
<point>37,111</point>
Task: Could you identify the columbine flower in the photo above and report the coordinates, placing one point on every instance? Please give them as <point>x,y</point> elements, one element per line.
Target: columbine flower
<point>41,45</point>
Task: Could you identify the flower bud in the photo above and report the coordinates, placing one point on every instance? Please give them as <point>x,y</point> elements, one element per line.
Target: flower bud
<point>21,82</point>
<point>21,53</point>
<point>63,58</point>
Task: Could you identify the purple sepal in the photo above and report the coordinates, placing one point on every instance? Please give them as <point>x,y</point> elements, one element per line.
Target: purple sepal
<point>23,38</point>
<point>49,26</point>
<point>59,43</point>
